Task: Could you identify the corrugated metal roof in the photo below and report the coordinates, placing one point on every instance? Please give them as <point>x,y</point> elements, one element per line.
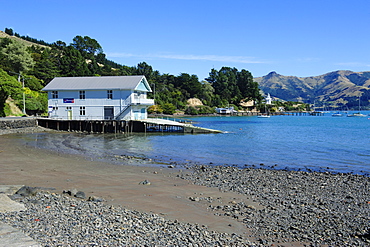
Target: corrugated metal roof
<point>94,83</point>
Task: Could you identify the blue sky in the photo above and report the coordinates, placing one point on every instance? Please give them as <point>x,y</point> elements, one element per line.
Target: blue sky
<point>292,37</point>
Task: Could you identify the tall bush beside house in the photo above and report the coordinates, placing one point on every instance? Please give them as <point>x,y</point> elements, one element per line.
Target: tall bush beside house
<point>9,87</point>
<point>36,102</point>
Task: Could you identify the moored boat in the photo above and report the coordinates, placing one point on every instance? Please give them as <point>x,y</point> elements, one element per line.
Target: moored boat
<point>337,114</point>
<point>357,114</point>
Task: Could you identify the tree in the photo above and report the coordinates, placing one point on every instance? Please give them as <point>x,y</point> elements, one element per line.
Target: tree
<point>224,82</point>
<point>36,102</point>
<point>72,63</point>
<point>206,93</point>
<point>168,108</point>
<point>18,57</point>
<point>4,63</point>
<point>87,46</point>
<point>144,69</point>
<point>8,87</point>
<point>9,31</point>
<point>59,45</point>
<point>46,64</point>
<point>232,86</point>
<point>248,88</point>
<point>189,83</point>
<point>33,83</point>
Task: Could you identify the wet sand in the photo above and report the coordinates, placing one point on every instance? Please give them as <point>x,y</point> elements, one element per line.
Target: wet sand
<point>299,208</point>
<point>167,195</point>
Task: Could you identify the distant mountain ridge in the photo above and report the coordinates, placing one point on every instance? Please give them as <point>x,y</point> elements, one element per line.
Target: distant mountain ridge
<point>337,89</point>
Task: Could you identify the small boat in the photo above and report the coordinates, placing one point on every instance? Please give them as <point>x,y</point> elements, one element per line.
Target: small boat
<point>264,115</point>
<point>337,114</point>
<point>357,114</point>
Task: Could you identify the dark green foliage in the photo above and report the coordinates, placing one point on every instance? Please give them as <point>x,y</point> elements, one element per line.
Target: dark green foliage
<point>36,104</point>
<point>9,86</point>
<point>33,40</point>
<point>16,57</point>
<point>71,63</point>
<point>85,57</point>
<point>190,110</point>
<point>9,31</point>
<point>46,64</point>
<point>189,84</point>
<point>233,86</point>
<point>144,69</point>
<point>247,86</point>
<point>60,45</point>
<point>168,108</point>
<point>33,83</point>
<point>4,62</point>
<point>199,110</point>
<point>87,46</point>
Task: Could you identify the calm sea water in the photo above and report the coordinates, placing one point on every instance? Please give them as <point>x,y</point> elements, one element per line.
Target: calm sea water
<point>340,144</point>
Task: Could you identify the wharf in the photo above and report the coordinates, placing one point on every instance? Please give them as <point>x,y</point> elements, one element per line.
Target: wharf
<point>163,125</point>
<point>121,126</point>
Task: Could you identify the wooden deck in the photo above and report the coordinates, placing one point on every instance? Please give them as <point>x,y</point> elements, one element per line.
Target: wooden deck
<point>164,125</point>
<point>115,126</point>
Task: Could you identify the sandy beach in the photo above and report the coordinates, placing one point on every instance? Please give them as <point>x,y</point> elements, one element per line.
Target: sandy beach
<point>167,195</point>
<point>265,207</point>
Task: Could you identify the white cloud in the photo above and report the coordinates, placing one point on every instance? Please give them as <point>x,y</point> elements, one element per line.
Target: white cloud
<point>215,58</point>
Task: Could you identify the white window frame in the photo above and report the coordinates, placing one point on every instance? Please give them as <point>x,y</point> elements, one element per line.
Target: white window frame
<point>109,94</point>
<point>82,111</point>
<point>54,94</point>
<point>82,94</point>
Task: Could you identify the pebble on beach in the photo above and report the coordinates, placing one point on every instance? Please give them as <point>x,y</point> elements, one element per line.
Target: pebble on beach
<point>61,220</point>
<point>319,208</point>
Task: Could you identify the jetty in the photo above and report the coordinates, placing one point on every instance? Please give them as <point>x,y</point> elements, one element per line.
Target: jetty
<point>164,125</point>
<point>122,126</point>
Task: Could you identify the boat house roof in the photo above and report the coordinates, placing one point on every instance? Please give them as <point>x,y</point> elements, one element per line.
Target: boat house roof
<point>136,82</point>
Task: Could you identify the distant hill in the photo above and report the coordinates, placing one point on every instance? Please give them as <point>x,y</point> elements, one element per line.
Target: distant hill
<point>336,89</point>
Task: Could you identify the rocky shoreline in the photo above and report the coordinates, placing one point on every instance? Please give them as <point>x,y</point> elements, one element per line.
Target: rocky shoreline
<point>298,208</point>
<point>313,207</point>
<point>68,220</point>
<point>310,208</point>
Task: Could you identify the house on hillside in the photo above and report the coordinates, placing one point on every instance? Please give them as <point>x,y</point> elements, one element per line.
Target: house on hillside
<point>98,98</point>
<point>268,100</point>
<point>227,110</point>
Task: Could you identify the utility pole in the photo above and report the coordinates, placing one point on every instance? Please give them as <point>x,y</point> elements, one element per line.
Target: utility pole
<point>154,92</point>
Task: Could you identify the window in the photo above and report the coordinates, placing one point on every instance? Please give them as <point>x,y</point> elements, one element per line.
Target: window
<point>69,108</point>
<point>55,108</point>
<point>54,94</point>
<point>82,94</point>
<point>82,111</point>
<point>109,94</point>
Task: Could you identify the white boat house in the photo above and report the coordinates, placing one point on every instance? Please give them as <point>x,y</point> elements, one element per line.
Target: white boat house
<point>98,98</point>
